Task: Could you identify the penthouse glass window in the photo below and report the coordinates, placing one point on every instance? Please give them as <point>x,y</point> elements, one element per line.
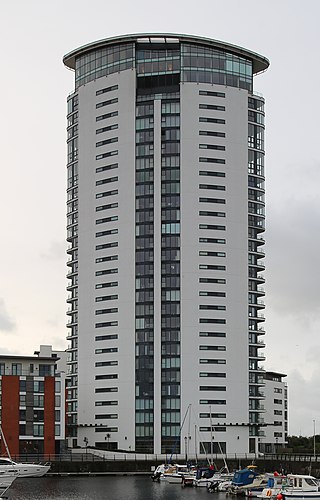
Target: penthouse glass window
<point>210,65</point>
<point>103,61</point>
<point>152,61</point>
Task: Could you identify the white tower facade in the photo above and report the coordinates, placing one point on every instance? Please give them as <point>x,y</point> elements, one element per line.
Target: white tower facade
<point>165,230</point>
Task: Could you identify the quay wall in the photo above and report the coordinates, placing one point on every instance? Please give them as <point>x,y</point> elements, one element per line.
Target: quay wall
<point>90,464</point>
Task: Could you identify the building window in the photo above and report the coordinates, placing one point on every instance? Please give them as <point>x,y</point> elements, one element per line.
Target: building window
<point>45,370</point>
<point>38,401</point>
<point>22,385</point>
<point>16,369</point>
<point>38,430</point>
<point>38,386</point>
<point>38,415</point>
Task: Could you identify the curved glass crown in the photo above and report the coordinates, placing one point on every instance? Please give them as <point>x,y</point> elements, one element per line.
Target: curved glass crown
<point>191,59</point>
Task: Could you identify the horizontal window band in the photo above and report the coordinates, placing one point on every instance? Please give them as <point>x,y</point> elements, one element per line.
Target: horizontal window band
<point>219,201</point>
<point>205,119</point>
<point>211,307</point>
<point>214,227</point>
<point>106,403</point>
<point>106,103</point>
<point>112,336</point>
<point>107,245</point>
<point>107,219</point>
<point>106,129</point>
<point>107,155</point>
<point>210,93</point>
<point>106,116</point>
<point>107,89</point>
<point>207,213</point>
<point>212,361</point>
<point>213,401</point>
<point>212,348</point>
<point>212,106</point>
<point>106,233</point>
<point>106,325</point>
<point>212,334</point>
<point>213,280</point>
<point>100,208</point>
<point>107,311</point>
<point>106,167</point>
<point>208,173</point>
<point>212,146</point>
<point>106,271</point>
<point>218,321</point>
<point>106,193</point>
<point>212,388</point>
<point>106,141</point>
<point>204,159</point>
<point>106,285</point>
<point>211,133</point>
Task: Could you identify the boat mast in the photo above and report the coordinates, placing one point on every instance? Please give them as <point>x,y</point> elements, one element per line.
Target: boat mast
<point>211,446</point>
<point>195,442</point>
<point>179,437</point>
<point>5,442</point>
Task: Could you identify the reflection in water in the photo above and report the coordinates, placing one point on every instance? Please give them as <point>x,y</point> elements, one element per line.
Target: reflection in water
<point>102,488</point>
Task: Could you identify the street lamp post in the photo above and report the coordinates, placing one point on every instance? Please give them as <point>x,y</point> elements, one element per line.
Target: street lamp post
<point>314,439</point>
<point>86,441</point>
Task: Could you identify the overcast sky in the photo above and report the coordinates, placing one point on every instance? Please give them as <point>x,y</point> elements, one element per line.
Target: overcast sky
<point>34,84</point>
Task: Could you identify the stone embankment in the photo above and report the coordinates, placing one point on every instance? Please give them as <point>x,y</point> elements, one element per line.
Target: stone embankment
<point>87,463</point>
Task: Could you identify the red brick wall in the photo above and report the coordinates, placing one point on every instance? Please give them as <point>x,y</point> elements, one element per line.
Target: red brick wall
<point>10,413</point>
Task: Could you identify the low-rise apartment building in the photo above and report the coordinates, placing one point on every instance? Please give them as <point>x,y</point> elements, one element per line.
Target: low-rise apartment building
<point>32,402</point>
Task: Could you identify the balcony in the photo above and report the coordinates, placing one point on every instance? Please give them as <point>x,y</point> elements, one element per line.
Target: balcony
<point>71,286</point>
<point>258,343</point>
<point>257,265</point>
<point>256,316</point>
<point>71,323</point>
<point>72,336</point>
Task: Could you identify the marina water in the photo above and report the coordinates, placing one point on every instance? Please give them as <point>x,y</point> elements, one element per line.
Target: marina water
<point>103,488</point>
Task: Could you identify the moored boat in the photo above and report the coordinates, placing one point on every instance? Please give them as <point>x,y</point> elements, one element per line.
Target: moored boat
<point>23,469</point>
<point>274,485</point>
<point>292,486</point>
<point>179,474</point>
<point>243,479</point>
<point>300,487</point>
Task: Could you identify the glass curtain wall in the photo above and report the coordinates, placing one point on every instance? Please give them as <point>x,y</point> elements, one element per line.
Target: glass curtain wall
<point>144,275</point>
<point>170,274</point>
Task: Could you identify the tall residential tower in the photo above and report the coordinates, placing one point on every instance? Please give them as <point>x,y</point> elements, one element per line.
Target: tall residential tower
<point>165,230</point>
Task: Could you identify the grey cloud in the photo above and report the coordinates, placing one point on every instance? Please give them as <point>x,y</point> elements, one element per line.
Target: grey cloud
<point>303,398</point>
<point>58,343</point>
<point>56,251</point>
<point>293,242</point>
<point>6,323</point>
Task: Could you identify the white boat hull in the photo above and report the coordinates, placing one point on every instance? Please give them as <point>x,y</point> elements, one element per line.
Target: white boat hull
<point>24,469</point>
<point>172,479</point>
<point>300,494</point>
